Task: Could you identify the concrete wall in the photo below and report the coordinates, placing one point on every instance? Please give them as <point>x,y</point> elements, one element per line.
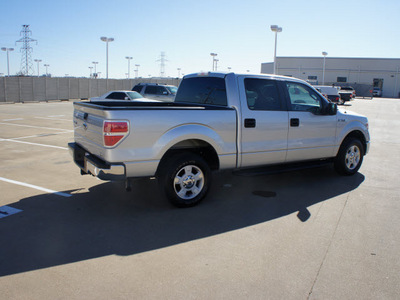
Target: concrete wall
<point>357,71</point>
<point>27,89</point>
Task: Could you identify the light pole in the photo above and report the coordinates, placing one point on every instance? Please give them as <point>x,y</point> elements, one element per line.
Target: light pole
<point>213,56</point>
<point>137,71</point>
<point>90,68</point>
<point>8,59</point>
<point>95,71</point>
<point>38,61</point>
<point>107,40</point>
<point>129,65</point>
<point>47,65</point>
<point>179,72</point>
<point>276,29</point>
<point>323,69</point>
<point>216,64</point>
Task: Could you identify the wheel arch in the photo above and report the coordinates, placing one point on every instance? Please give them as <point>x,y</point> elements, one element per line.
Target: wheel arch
<point>358,135</point>
<point>196,146</point>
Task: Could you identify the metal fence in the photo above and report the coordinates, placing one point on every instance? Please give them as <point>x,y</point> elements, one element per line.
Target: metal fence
<point>29,89</point>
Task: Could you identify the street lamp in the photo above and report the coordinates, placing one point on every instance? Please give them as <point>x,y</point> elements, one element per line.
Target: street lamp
<point>129,65</point>
<point>8,59</point>
<point>216,64</point>
<point>179,72</point>
<point>213,56</point>
<point>90,68</point>
<point>276,29</point>
<point>323,69</point>
<point>137,71</point>
<point>47,65</point>
<point>95,72</point>
<point>107,40</point>
<point>38,61</point>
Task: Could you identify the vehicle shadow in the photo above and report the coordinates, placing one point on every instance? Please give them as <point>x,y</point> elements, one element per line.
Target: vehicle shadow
<point>106,220</point>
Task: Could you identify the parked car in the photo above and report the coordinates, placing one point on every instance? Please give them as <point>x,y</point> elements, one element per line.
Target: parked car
<point>345,95</point>
<point>218,121</point>
<point>377,92</point>
<point>156,91</point>
<point>121,95</point>
<point>331,92</point>
<point>349,89</point>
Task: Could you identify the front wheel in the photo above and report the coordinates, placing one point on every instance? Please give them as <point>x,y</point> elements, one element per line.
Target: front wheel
<point>349,158</point>
<point>185,179</point>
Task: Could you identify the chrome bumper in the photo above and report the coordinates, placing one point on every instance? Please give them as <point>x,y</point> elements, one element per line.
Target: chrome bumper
<point>90,164</point>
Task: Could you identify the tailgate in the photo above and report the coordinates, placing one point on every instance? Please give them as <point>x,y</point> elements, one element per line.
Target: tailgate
<point>88,128</point>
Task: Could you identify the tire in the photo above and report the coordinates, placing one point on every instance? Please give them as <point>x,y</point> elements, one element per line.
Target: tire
<point>350,156</point>
<point>185,179</point>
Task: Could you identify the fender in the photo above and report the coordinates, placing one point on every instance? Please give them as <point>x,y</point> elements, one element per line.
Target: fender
<point>194,131</point>
<point>347,125</point>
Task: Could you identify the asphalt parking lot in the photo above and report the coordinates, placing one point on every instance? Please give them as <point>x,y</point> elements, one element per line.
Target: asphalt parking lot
<point>307,234</point>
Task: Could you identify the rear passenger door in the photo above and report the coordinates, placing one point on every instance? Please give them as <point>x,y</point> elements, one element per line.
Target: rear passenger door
<point>264,122</point>
<point>311,132</point>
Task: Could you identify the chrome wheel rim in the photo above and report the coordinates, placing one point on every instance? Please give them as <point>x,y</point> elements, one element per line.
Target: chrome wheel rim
<point>189,182</point>
<point>352,158</point>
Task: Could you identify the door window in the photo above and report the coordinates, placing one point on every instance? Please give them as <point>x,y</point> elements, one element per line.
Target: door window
<point>117,96</point>
<point>156,90</point>
<point>262,94</point>
<point>303,98</point>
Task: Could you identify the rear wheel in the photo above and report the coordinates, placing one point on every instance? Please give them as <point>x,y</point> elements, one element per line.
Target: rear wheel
<point>350,156</point>
<point>185,179</point>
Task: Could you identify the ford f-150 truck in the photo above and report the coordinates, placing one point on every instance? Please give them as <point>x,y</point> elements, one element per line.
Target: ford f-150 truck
<point>218,121</point>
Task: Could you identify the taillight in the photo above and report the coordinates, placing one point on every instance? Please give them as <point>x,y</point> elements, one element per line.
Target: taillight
<point>114,132</point>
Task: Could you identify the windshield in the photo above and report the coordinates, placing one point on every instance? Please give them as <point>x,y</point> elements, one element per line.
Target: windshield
<point>134,95</point>
<point>172,89</point>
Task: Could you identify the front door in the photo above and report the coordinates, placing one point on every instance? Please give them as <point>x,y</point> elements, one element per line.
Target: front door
<point>311,133</point>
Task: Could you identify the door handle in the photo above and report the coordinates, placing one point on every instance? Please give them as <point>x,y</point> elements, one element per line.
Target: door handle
<point>249,123</point>
<point>294,122</point>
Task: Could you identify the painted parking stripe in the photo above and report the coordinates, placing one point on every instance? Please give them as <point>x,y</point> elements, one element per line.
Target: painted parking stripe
<point>6,211</point>
<point>35,144</point>
<point>37,135</point>
<point>30,126</point>
<point>35,187</point>
<point>54,119</point>
<point>19,119</point>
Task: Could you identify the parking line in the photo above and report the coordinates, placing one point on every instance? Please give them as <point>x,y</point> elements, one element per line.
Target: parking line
<point>37,135</point>
<point>18,119</point>
<point>55,119</point>
<point>48,128</point>
<point>35,144</point>
<point>35,187</point>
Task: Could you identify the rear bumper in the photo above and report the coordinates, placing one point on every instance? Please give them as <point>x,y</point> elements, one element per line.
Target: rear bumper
<point>90,164</point>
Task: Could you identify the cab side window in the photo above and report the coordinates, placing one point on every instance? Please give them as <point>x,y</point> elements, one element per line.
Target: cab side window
<point>303,98</point>
<point>262,94</point>
<point>117,96</point>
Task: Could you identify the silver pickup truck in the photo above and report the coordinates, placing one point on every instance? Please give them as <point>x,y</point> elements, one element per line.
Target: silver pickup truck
<point>217,121</point>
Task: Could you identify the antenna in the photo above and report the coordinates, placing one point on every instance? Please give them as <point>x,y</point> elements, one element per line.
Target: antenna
<point>26,50</point>
<point>162,61</point>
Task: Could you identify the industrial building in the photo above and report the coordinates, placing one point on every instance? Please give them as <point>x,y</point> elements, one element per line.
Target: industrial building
<point>361,73</point>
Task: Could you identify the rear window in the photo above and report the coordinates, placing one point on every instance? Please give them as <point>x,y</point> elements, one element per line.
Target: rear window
<point>202,90</point>
<point>137,88</point>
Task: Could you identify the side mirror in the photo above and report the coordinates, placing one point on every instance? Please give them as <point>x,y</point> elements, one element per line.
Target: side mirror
<point>165,93</point>
<point>331,109</point>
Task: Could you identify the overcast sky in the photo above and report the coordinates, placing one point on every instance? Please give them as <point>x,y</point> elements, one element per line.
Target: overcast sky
<point>68,33</point>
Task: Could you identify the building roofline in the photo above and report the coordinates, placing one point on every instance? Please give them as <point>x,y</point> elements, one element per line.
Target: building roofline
<point>327,57</point>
